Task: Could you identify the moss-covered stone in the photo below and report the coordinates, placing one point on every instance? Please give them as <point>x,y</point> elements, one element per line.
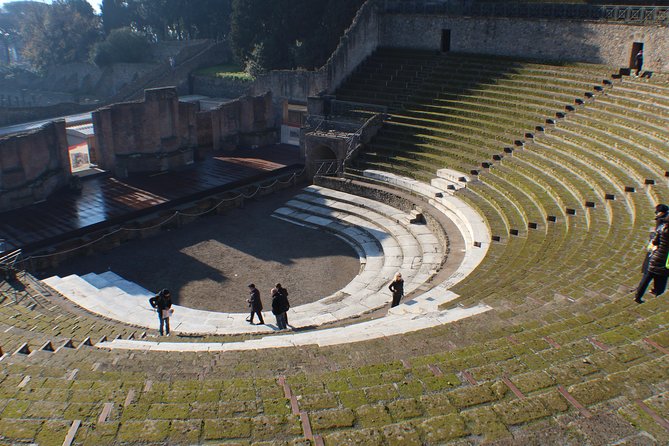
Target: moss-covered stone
<point>331,419</point>
<point>15,409</point>
<point>318,401</point>
<point>204,410</point>
<point>436,404</point>
<point>19,430</point>
<point>45,409</point>
<point>143,431</point>
<point>275,427</point>
<point>169,412</point>
<point>404,409</point>
<point>184,432</point>
<point>82,411</point>
<point>93,434</point>
<point>529,382</point>
<point>52,433</point>
<point>443,428</point>
<point>381,393</point>
<point>352,399</point>
<point>484,421</point>
<point>471,396</point>
<point>373,416</point>
<point>337,385</point>
<point>276,406</point>
<point>410,388</point>
<point>237,408</point>
<point>403,434</point>
<point>593,391</point>
<point>520,411</point>
<point>358,437</point>
<point>228,428</point>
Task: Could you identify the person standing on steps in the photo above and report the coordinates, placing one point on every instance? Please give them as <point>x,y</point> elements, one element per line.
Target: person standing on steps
<point>278,308</point>
<point>162,302</point>
<point>658,270</point>
<point>638,62</point>
<point>397,288</point>
<point>255,304</point>
<point>285,303</point>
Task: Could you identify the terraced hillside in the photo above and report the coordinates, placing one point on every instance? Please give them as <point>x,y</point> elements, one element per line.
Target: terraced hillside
<point>564,357</point>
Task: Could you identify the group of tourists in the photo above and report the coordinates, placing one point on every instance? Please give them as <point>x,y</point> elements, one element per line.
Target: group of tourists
<point>280,305</point>
<point>655,266</point>
<point>162,303</point>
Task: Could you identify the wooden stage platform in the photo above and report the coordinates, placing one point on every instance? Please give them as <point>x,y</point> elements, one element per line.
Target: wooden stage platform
<point>106,201</point>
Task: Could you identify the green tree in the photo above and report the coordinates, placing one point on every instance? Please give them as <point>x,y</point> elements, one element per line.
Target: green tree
<point>115,14</point>
<point>122,45</point>
<point>274,34</point>
<point>62,33</point>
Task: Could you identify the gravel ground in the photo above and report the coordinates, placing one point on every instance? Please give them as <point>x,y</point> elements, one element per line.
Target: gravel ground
<point>209,263</point>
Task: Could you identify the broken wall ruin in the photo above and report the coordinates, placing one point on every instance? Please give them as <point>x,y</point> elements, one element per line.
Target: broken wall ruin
<point>33,165</point>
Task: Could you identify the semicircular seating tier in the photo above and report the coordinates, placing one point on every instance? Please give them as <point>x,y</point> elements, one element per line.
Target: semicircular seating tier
<point>384,237</point>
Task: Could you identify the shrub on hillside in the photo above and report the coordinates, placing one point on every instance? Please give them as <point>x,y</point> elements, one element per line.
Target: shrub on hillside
<point>122,45</point>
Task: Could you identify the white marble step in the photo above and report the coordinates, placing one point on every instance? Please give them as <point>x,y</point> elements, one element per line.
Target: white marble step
<point>469,222</point>
<point>393,324</point>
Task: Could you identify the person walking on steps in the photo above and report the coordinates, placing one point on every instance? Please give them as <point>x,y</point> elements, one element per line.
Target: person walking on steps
<point>397,288</point>
<point>658,267</point>
<point>162,302</point>
<point>661,212</point>
<point>255,304</point>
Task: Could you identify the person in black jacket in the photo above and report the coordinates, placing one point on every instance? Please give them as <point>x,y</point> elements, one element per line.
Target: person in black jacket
<point>657,265</point>
<point>397,288</point>
<point>661,213</point>
<point>280,306</point>
<point>163,304</point>
<point>255,304</point>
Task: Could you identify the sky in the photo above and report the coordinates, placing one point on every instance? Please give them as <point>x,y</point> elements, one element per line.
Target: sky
<point>94,3</point>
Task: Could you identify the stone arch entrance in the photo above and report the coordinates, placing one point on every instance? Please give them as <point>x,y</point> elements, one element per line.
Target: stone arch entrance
<point>323,155</point>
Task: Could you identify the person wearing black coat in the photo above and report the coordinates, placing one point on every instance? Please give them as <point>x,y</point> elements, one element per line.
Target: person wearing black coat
<point>162,302</point>
<point>279,308</point>
<point>661,213</point>
<point>397,288</point>
<point>657,265</point>
<point>256,305</point>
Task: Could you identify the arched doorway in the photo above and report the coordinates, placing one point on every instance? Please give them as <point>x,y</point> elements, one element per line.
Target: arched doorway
<point>323,160</point>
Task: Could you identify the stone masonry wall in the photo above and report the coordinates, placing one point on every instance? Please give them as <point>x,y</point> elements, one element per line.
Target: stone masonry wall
<point>576,41</point>
<point>33,165</point>
<point>156,134</point>
<point>247,121</point>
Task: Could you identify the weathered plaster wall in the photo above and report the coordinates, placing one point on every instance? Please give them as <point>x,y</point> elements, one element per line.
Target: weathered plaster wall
<point>33,165</point>
<point>578,41</point>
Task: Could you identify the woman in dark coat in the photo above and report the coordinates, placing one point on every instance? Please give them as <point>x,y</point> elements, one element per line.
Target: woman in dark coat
<point>657,266</point>
<point>397,288</point>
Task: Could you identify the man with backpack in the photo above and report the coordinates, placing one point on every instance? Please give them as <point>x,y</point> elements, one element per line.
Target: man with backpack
<point>163,304</point>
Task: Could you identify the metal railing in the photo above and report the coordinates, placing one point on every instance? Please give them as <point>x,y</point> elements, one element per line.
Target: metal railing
<point>633,15</point>
<point>329,168</point>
